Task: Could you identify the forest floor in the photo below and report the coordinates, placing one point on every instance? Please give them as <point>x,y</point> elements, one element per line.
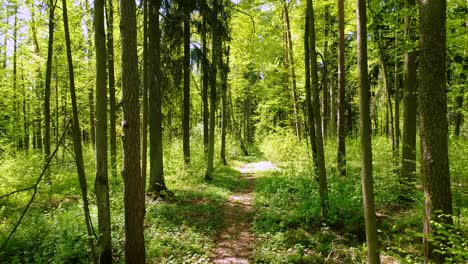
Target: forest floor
<point>235,242</point>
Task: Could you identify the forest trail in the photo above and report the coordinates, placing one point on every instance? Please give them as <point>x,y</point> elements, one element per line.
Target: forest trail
<point>235,242</point>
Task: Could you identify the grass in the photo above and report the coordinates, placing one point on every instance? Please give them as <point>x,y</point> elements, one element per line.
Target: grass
<point>287,219</point>
<point>183,228</point>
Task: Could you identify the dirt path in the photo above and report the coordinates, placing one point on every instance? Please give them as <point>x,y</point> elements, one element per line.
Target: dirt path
<point>235,241</point>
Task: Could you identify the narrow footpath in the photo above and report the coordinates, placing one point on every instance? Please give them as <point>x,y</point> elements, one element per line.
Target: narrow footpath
<point>235,241</point>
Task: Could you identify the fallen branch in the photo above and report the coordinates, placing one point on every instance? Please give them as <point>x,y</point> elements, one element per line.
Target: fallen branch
<point>34,187</point>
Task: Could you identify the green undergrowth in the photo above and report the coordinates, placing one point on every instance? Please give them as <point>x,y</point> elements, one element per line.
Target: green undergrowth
<point>287,221</point>
<point>180,229</point>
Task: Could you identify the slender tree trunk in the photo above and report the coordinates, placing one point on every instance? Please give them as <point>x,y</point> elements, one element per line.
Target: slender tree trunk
<point>322,176</point>
<point>384,72</point>
<point>112,102</point>
<point>101,184</point>
<point>186,110</point>
<point>297,121</point>
<point>89,29</point>
<point>366,134</point>
<point>157,183</point>
<point>459,109</point>
<point>144,123</point>
<point>215,61</point>
<point>341,119</point>
<point>205,80</point>
<point>16,111</point>
<point>397,86</point>
<point>433,122</point>
<point>309,113</point>
<point>25,106</point>
<point>134,185</point>
<point>77,136</point>
<point>408,156</point>
<point>224,115</point>
<point>325,93</point>
<point>48,76</point>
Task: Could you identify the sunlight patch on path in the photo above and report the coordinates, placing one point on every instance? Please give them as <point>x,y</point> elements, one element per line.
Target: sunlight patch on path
<point>257,166</point>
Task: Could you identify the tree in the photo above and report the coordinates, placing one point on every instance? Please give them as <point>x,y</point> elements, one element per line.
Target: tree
<point>101,183</point>
<point>290,58</point>
<point>341,128</point>
<point>144,122</point>
<point>48,76</point>
<point>309,113</point>
<point>134,185</point>
<point>408,155</point>
<point>322,176</point>
<point>214,64</point>
<point>433,124</point>
<point>187,70</point>
<point>112,103</point>
<point>77,136</point>
<point>365,131</point>
<point>157,183</point>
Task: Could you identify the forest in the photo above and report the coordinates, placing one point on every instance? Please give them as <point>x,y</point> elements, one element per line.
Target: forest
<point>233,131</point>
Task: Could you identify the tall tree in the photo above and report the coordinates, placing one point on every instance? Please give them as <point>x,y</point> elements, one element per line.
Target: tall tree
<point>144,122</point>
<point>214,64</point>
<point>433,124</point>
<point>134,184</point>
<point>408,155</point>
<point>366,133</point>
<point>91,104</point>
<point>77,135</point>
<point>101,183</point>
<point>322,175</point>
<point>157,183</point>
<point>309,114</point>
<point>341,119</point>
<point>325,92</point>
<point>290,55</point>
<point>187,70</point>
<point>224,104</point>
<point>205,81</point>
<point>48,77</point>
<point>112,103</point>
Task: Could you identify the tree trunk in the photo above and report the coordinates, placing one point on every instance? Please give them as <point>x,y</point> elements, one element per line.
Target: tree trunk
<point>186,109</point>
<point>112,102</point>
<point>77,136</point>
<point>366,133</point>
<point>134,185</point>
<point>205,80</point>
<point>325,93</point>
<point>48,76</point>
<point>144,123</point>
<point>101,184</point>
<point>322,176</point>
<point>215,61</point>
<point>89,29</point>
<point>341,119</point>
<point>50,49</point>
<point>224,115</point>
<point>309,113</point>
<point>433,123</point>
<point>157,183</point>
<point>290,54</point>
<point>16,111</point>
<point>408,155</point>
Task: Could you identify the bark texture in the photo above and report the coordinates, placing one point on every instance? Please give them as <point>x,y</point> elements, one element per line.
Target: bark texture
<point>433,121</point>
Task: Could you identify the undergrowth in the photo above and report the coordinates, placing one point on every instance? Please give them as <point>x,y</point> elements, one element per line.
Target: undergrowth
<point>287,219</point>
